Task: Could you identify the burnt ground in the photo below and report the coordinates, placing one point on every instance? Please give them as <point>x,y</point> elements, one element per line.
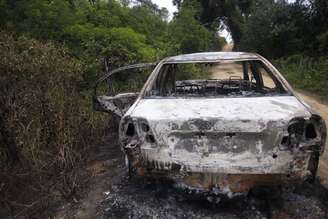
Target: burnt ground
<point>112,194</point>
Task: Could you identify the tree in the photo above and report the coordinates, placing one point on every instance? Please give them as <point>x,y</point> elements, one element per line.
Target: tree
<point>189,35</point>
<point>215,14</point>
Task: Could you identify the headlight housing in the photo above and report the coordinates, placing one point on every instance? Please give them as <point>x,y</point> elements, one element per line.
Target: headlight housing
<point>305,133</point>
<point>146,133</point>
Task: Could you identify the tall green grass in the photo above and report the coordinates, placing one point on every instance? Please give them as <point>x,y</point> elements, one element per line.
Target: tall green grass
<point>306,73</point>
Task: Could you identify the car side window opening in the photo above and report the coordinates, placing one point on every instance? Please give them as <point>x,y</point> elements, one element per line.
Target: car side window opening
<point>240,78</point>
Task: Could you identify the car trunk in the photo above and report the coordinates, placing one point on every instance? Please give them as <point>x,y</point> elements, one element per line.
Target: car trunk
<point>220,135</point>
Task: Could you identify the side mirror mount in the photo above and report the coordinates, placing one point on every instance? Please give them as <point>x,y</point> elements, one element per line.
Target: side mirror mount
<point>99,103</point>
<point>117,105</point>
<point>120,103</point>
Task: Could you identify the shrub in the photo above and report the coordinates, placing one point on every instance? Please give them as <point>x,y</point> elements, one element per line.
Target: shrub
<point>306,73</point>
<point>46,125</point>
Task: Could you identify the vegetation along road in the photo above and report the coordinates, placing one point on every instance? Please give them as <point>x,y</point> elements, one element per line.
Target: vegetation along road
<point>59,157</point>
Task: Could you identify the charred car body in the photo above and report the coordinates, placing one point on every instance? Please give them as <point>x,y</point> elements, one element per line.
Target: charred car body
<point>220,122</point>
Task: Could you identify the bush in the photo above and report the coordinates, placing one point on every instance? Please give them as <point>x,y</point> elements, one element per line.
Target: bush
<point>188,35</point>
<point>46,125</point>
<point>306,73</point>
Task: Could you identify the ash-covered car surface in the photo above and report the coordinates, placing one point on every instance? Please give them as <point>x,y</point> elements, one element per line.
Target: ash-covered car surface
<point>220,122</point>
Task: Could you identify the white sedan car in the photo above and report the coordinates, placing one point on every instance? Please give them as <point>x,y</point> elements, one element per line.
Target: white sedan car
<point>222,122</point>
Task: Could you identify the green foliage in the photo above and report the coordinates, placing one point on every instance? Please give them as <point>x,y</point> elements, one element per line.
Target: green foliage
<point>122,43</point>
<point>323,42</point>
<point>280,29</point>
<point>110,29</point>
<point>92,31</point>
<point>189,35</point>
<point>48,66</point>
<point>193,72</point>
<point>216,14</point>
<point>306,73</point>
<point>130,80</point>
<point>271,30</point>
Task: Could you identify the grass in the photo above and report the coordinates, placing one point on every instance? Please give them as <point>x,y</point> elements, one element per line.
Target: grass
<point>306,73</point>
<point>47,127</point>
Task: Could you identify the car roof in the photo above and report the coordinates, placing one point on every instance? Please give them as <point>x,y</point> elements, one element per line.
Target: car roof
<point>211,57</point>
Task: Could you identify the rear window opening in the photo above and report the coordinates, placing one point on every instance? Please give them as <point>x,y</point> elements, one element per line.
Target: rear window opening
<point>240,78</point>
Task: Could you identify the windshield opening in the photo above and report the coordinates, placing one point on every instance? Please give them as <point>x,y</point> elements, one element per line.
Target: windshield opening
<point>221,79</point>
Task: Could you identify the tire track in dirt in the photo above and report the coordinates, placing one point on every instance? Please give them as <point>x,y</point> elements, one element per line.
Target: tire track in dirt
<point>228,47</point>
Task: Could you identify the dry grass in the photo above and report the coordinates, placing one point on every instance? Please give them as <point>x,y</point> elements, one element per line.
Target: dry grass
<point>47,127</point>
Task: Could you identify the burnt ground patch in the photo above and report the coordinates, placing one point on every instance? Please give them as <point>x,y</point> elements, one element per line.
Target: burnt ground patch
<point>143,199</point>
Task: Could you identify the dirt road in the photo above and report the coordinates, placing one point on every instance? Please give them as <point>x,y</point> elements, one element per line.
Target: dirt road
<point>227,47</point>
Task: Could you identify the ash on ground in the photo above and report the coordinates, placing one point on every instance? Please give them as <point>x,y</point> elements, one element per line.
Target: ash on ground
<point>137,198</point>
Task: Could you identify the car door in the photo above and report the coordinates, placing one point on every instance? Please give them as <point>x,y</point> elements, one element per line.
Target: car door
<point>116,91</point>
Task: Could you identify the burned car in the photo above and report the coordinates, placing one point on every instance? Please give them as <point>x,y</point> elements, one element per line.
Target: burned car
<point>221,121</point>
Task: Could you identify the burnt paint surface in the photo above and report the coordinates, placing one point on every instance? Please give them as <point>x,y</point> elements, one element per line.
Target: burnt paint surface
<point>234,148</point>
<point>118,104</point>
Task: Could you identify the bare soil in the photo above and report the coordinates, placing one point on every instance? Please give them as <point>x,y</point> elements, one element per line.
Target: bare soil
<point>227,47</point>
